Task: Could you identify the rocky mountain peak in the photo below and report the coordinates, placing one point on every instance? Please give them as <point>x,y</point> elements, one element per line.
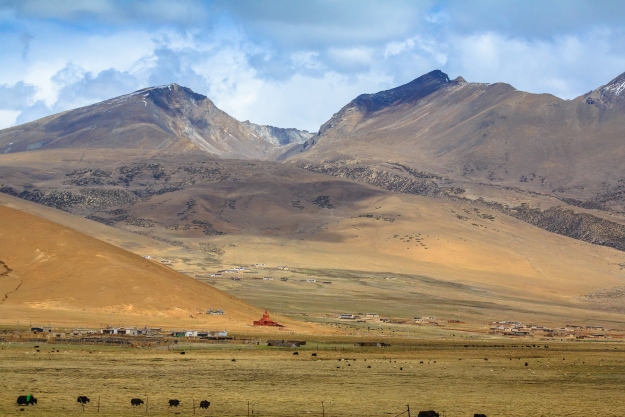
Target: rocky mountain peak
<point>609,95</point>
<point>460,80</point>
<point>412,91</point>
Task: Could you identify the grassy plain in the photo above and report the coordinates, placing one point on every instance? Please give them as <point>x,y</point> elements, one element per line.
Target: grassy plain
<point>490,377</point>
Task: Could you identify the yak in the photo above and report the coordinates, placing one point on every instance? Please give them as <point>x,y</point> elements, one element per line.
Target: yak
<point>479,415</point>
<point>82,399</point>
<point>429,413</point>
<point>174,403</point>
<point>204,404</point>
<point>136,402</point>
<point>26,400</point>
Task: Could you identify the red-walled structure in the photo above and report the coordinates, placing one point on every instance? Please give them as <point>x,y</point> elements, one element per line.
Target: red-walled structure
<point>266,321</point>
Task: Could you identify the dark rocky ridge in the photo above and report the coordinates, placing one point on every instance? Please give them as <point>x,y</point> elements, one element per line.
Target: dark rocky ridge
<point>421,183</point>
<point>413,91</point>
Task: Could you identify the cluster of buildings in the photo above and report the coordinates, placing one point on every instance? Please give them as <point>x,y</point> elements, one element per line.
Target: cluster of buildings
<point>146,331</point>
<point>360,316</point>
<point>516,328</point>
<point>233,270</point>
<point>134,331</point>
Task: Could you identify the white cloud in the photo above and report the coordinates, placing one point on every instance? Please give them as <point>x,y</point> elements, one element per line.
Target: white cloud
<point>350,59</point>
<point>432,47</point>
<point>306,102</point>
<point>566,66</point>
<point>307,60</point>
<point>8,118</point>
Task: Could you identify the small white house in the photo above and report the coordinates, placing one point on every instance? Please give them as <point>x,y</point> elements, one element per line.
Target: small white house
<point>131,331</point>
<point>109,330</point>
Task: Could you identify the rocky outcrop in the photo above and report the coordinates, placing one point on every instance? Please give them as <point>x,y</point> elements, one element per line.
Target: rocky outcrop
<point>4,269</point>
<point>581,226</point>
<point>279,136</point>
<point>421,183</point>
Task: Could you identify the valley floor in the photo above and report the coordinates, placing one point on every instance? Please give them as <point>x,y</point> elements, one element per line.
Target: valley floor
<point>496,377</point>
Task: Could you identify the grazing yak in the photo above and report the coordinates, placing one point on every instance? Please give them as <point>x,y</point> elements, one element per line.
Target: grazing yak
<point>82,399</point>
<point>429,413</point>
<point>136,402</point>
<point>174,403</point>
<point>26,400</point>
<point>204,404</point>
<point>479,415</point>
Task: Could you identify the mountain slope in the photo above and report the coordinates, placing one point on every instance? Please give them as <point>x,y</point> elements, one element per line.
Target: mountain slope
<point>58,274</point>
<point>169,118</point>
<point>482,133</point>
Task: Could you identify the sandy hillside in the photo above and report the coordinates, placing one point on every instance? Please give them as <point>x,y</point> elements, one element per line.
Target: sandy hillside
<point>62,276</point>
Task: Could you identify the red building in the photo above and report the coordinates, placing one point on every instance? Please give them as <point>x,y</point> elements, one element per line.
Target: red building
<point>266,321</point>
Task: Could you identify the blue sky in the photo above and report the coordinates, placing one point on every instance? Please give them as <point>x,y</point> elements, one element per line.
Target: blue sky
<point>295,63</point>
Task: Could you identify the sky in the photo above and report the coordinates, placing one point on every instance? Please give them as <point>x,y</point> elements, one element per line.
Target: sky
<point>291,63</point>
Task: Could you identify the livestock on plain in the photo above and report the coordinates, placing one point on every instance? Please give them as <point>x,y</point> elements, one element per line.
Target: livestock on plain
<point>479,415</point>
<point>428,413</point>
<point>82,399</point>
<point>26,400</point>
<point>174,403</point>
<point>135,402</point>
<point>204,404</point>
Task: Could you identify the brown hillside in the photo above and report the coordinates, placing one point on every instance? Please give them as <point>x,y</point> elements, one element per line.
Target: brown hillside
<point>61,275</point>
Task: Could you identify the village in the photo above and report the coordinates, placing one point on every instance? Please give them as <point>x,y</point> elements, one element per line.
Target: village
<point>250,269</point>
<point>500,328</point>
<point>505,328</point>
<point>150,332</point>
<point>571,331</point>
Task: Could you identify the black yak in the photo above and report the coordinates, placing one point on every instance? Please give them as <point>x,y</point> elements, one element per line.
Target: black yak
<point>136,402</point>
<point>429,413</point>
<point>26,400</point>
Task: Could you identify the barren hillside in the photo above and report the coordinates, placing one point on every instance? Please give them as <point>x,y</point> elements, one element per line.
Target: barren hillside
<point>57,274</point>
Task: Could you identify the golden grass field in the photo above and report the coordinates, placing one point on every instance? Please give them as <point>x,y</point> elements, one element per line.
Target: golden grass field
<point>488,376</point>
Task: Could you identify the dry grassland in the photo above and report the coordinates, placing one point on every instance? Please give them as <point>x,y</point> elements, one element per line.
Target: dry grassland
<point>562,380</point>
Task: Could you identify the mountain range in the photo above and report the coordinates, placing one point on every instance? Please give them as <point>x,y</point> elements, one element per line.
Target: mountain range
<point>482,176</point>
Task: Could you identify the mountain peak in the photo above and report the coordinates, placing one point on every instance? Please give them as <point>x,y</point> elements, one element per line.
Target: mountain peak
<point>165,118</point>
<point>609,95</point>
<point>412,91</point>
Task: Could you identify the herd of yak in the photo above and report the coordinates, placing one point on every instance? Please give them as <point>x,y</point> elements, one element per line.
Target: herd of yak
<point>135,402</point>
<point>30,400</point>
